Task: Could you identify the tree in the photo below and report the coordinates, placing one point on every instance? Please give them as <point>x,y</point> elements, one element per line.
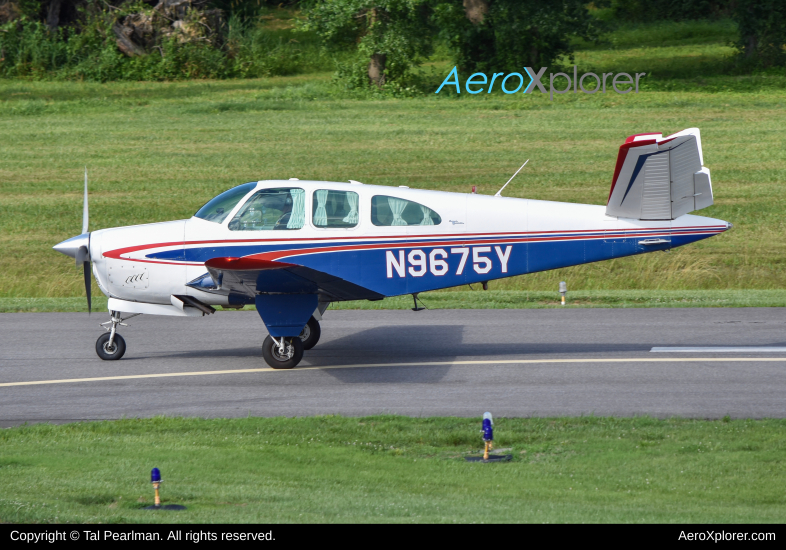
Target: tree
<point>502,35</point>
<point>54,13</point>
<point>762,28</point>
<point>388,37</point>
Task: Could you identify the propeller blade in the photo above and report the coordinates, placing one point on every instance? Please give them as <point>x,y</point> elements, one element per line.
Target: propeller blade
<point>88,286</point>
<point>86,258</point>
<point>88,281</point>
<point>85,216</point>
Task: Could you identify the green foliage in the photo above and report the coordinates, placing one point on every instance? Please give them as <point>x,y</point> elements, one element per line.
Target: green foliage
<point>762,26</point>
<point>255,51</point>
<point>645,11</point>
<point>397,32</point>
<point>248,10</point>
<point>29,50</point>
<point>515,33</point>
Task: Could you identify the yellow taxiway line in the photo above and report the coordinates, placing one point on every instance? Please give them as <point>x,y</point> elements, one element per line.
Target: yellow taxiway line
<point>421,364</point>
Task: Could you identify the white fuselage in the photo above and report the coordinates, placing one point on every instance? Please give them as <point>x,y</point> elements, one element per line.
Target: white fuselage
<point>151,263</point>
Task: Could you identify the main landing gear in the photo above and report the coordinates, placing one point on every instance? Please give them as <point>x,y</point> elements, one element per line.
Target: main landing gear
<point>311,333</point>
<point>286,352</point>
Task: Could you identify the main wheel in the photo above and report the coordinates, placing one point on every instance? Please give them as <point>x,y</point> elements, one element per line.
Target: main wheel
<point>113,352</point>
<point>311,333</point>
<point>293,352</point>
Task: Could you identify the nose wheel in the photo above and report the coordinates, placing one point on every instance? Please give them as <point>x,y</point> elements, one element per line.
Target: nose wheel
<point>282,352</point>
<point>110,350</point>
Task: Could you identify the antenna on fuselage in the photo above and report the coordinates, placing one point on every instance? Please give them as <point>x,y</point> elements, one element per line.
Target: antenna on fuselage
<point>499,193</point>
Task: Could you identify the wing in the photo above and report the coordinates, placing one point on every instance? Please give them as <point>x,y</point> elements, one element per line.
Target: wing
<point>249,276</point>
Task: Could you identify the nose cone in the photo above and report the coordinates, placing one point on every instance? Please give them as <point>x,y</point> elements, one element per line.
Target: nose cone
<point>70,247</point>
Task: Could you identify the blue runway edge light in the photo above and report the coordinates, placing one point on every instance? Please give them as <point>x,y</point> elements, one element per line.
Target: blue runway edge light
<point>155,475</point>
<point>488,430</point>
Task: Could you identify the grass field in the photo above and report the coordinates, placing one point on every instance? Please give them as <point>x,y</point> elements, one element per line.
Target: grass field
<point>158,151</point>
<point>396,469</point>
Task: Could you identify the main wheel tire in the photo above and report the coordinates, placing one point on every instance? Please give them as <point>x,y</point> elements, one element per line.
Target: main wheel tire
<point>286,361</point>
<point>311,333</point>
<point>113,353</point>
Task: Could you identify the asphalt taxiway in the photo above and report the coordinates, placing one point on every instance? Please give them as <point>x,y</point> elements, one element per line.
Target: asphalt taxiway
<point>438,362</point>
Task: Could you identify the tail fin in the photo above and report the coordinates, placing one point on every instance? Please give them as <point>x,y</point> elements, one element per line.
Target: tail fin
<point>660,178</point>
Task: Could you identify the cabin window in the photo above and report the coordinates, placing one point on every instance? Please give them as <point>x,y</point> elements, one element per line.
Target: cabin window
<point>335,208</point>
<point>218,208</point>
<point>272,209</point>
<point>387,211</point>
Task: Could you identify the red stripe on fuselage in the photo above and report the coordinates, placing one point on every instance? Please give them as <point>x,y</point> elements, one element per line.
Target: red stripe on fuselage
<point>588,234</point>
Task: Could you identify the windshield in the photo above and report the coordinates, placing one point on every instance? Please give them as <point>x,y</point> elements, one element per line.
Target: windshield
<point>219,207</point>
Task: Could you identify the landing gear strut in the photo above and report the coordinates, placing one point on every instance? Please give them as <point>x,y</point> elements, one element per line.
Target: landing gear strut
<point>284,352</point>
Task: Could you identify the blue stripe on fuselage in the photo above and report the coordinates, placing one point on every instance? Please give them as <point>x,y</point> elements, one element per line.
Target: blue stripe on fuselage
<point>368,267</point>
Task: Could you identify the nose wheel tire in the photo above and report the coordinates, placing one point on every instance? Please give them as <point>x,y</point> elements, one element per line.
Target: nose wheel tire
<point>311,333</point>
<point>113,352</point>
<point>293,352</point>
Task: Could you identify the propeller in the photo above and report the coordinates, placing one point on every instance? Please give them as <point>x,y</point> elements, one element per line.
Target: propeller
<point>86,255</point>
<point>88,286</point>
<point>79,248</point>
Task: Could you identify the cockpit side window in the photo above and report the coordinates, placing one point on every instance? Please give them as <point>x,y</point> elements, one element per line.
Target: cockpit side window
<point>388,211</point>
<point>218,208</point>
<point>281,208</point>
<point>334,209</point>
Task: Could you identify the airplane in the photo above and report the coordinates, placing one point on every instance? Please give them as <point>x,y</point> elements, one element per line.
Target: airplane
<point>291,247</point>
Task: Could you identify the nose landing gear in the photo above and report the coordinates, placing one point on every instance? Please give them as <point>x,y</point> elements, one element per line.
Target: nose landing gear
<point>110,346</point>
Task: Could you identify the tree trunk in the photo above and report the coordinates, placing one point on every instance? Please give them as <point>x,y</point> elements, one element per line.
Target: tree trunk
<point>376,69</point>
<point>53,15</point>
<point>476,10</point>
<point>534,54</point>
<point>753,43</point>
<point>124,42</point>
